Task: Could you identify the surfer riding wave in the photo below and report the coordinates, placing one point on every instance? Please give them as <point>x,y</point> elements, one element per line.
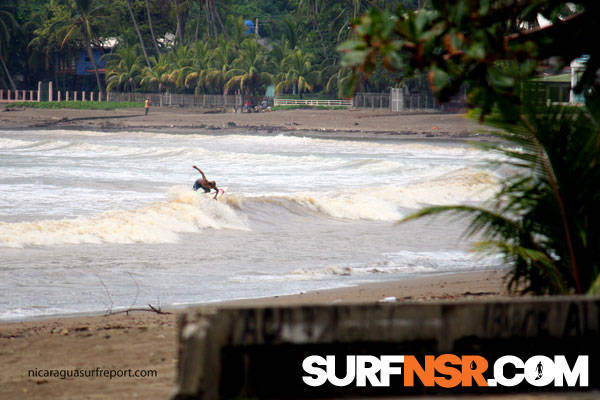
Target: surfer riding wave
<point>205,184</point>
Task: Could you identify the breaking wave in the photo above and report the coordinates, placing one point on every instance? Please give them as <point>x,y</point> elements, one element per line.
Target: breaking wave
<point>384,203</point>
<point>159,222</point>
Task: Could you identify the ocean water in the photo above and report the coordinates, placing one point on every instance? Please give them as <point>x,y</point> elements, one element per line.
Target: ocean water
<point>97,221</point>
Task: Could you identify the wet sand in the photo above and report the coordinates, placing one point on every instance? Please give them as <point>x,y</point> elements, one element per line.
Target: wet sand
<point>147,341</point>
<point>331,123</point>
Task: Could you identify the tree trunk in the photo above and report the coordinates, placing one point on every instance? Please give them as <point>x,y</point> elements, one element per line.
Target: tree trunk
<point>218,17</point>
<point>137,29</point>
<point>180,29</point>
<point>208,18</point>
<point>318,28</point>
<point>152,29</point>
<point>197,32</point>
<point>10,79</point>
<point>88,47</point>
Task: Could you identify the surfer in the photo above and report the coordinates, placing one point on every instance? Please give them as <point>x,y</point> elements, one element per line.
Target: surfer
<point>205,184</point>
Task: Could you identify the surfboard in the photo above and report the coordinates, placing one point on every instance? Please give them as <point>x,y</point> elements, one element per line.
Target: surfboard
<point>220,193</point>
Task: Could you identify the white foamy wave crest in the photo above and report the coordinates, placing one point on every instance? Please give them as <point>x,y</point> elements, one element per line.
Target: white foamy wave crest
<point>460,186</point>
<point>385,203</point>
<point>27,146</point>
<point>13,143</point>
<point>435,261</point>
<point>354,205</point>
<point>303,274</point>
<point>351,206</point>
<point>398,263</point>
<point>86,149</point>
<point>159,222</point>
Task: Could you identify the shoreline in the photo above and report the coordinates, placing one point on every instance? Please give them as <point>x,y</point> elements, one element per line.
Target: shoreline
<point>417,288</point>
<point>147,340</point>
<point>339,124</point>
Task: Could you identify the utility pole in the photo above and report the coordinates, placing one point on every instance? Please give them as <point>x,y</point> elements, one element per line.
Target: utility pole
<point>256,28</point>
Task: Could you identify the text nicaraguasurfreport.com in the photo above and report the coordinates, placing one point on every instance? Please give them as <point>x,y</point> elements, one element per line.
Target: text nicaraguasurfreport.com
<point>92,373</point>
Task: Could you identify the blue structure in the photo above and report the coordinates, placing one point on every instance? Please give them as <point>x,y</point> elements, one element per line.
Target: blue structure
<point>250,26</point>
<point>85,66</point>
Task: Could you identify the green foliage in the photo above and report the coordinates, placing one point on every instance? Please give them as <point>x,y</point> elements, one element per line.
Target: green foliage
<point>542,219</point>
<point>79,105</point>
<point>56,30</point>
<point>250,70</point>
<point>545,219</point>
<point>124,68</point>
<point>478,43</point>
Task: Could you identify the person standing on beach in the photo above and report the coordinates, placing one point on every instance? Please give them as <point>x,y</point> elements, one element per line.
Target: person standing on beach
<point>205,184</point>
<point>147,105</point>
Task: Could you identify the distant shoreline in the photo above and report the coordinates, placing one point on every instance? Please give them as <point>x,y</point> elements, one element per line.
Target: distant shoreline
<point>344,124</point>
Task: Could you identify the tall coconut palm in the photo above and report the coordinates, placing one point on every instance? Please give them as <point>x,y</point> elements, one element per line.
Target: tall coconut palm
<point>123,69</point>
<point>221,61</point>
<point>299,76</point>
<point>312,9</point>
<point>182,61</point>
<point>279,51</point>
<point>81,22</point>
<point>194,74</point>
<point>154,41</point>
<point>7,24</point>
<point>182,10</point>
<point>139,34</point>
<point>158,75</point>
<point>250,69</point>
<point>339,82</point>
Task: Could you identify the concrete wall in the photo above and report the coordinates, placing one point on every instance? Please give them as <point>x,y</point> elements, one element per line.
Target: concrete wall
<point>258,352</point>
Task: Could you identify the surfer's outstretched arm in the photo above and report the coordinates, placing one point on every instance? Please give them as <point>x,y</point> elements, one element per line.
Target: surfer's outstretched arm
<point>199,170</point>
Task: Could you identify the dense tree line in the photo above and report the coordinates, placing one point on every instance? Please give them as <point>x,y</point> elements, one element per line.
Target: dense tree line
<point>191,46</point>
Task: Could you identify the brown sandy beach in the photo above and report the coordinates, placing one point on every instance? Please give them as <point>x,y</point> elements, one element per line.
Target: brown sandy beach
<point>147,341</point>
<point>336,123</point>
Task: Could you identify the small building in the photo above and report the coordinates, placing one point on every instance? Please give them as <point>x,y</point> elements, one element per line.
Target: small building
<point>577,68</point>
<point>250,26</point>
<point>85,65</point>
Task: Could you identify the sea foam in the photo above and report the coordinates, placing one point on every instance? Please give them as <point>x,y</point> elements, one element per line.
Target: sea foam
<point>159,222</point>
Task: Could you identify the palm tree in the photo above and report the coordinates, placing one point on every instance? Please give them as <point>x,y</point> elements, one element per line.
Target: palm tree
<point>158,75</point>
<point>123,68</point>
<point>154,42</point>
<point>238,30</point>
<point>339,81</point>
<point>212,16</point>
<point>220,63</point>
<point>544,220</point>
<point>7,21</point>
<point>194,75</point>
<point>300,76</point>
<point>278,53</point>
<point>312,8</point>
<point>181,59</point>
<point>250,69</point>
<point>290,31</point>
<point>139,34</point>
<point>81,21</point>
